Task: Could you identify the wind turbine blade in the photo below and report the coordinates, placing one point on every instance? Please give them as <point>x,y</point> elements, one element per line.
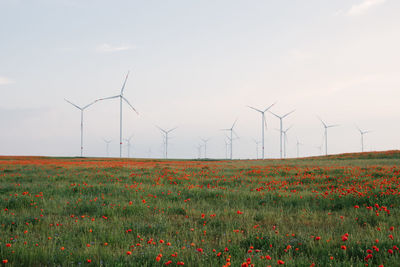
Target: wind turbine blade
<point>123,86</point>
<point>225,129</point>
<point>322,122</point>
<point>335,125</point>
<point>234,124</point>
<point>73,104</point>
<point>105,98</point>
<point>269,107</point>
<point>255,109</point>
<point>274,114</point>
<point>126,100</point>
<point>88,105</point>
<point>171,129</point>
<point>287,129</point>
<point>265,123</point>
<point>287,114</point>
<point>161,129</point>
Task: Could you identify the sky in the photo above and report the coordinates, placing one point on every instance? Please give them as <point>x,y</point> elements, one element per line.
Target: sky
<point>197,65</point>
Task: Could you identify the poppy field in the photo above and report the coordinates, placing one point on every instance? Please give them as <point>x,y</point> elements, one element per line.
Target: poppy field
<point>341,210</point>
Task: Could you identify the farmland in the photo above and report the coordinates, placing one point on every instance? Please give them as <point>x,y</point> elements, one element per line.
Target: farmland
<point>339,210</point>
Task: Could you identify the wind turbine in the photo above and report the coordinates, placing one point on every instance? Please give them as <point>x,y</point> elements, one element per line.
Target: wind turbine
<point>284,132</point>
<point>281,130</point>
<point>362,137</point>
<point>199,151</point>
<point>231,138</point>
<point>263,124</point>
<point>81,109</point>
<point>107,144</point>
<point>257,143</point>
<point>128,140</point>
<point>298,147</point>
<point>121,97</point>
<point>205,146</point>
<point>326,134</point>
<point>166,132</point>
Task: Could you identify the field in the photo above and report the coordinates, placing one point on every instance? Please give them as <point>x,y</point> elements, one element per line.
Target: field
<point>330,211</point>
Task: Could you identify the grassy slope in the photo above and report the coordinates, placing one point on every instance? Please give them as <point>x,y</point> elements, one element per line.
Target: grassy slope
<point>194,205</point>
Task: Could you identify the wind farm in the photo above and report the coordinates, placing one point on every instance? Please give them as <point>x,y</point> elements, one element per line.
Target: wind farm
<point>268,133</point>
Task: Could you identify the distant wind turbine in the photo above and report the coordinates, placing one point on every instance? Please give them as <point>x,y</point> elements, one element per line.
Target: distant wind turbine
<point>362,137</point>
<point>257,143</point>
<point>199,151</point>
<point>281,126</point>
<point>128,141</point>
<point>298,147</point>
<point>121,97</point>
<point>326,134</point>
<point>231,137</point>
<point>205,146</point>
<point>166,132</point>
<point>81,109</point>
<point>263,125</point>
<point>107,144</point>
<point>285,140</point>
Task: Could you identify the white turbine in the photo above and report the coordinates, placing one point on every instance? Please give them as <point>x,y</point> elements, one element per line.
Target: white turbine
<point>298,147</point>
<point>263,125</point>
<point>281,126</point>
<point>326,134</point>
<point>199,151</point>
<point>362,137</point>
<point>285,140</point>
<point>107,144</point>
<point>166,132</point>
<point>257,143</point>
<point>121,97</point>
<point>205,146</point>
<point>81,109</point>
<point>128,141</point>
<point>231,137</point>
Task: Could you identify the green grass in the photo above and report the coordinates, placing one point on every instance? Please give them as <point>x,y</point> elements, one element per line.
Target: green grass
<point>240,209</point>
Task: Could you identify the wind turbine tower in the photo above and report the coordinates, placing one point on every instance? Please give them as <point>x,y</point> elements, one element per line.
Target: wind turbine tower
<point>298,147</point>
<point>281,126</point>
<point>107,145</point>
<point>121,97</point>
<point>166,132</point>
<point>81,109</point>
<point>205,146</point>
<point>257,143</point>
<point>326,134</point>
<point>263,125</point>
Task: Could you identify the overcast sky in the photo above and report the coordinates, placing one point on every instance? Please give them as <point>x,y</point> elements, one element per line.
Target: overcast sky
<point>195,65</point>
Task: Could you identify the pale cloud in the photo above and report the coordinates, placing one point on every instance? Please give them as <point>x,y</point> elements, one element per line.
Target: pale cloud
<point>363,7</point>
<point>5,80</point>
<point>114,48</point>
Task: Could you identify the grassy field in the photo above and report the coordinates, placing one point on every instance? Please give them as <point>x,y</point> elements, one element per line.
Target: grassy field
<point>331,211</point>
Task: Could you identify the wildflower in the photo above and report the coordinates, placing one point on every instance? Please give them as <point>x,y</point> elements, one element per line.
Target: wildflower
<point>343,247</point>
<point>280,262</point>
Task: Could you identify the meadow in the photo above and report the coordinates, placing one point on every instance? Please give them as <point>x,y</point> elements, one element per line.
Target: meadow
<point>339,210</point>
